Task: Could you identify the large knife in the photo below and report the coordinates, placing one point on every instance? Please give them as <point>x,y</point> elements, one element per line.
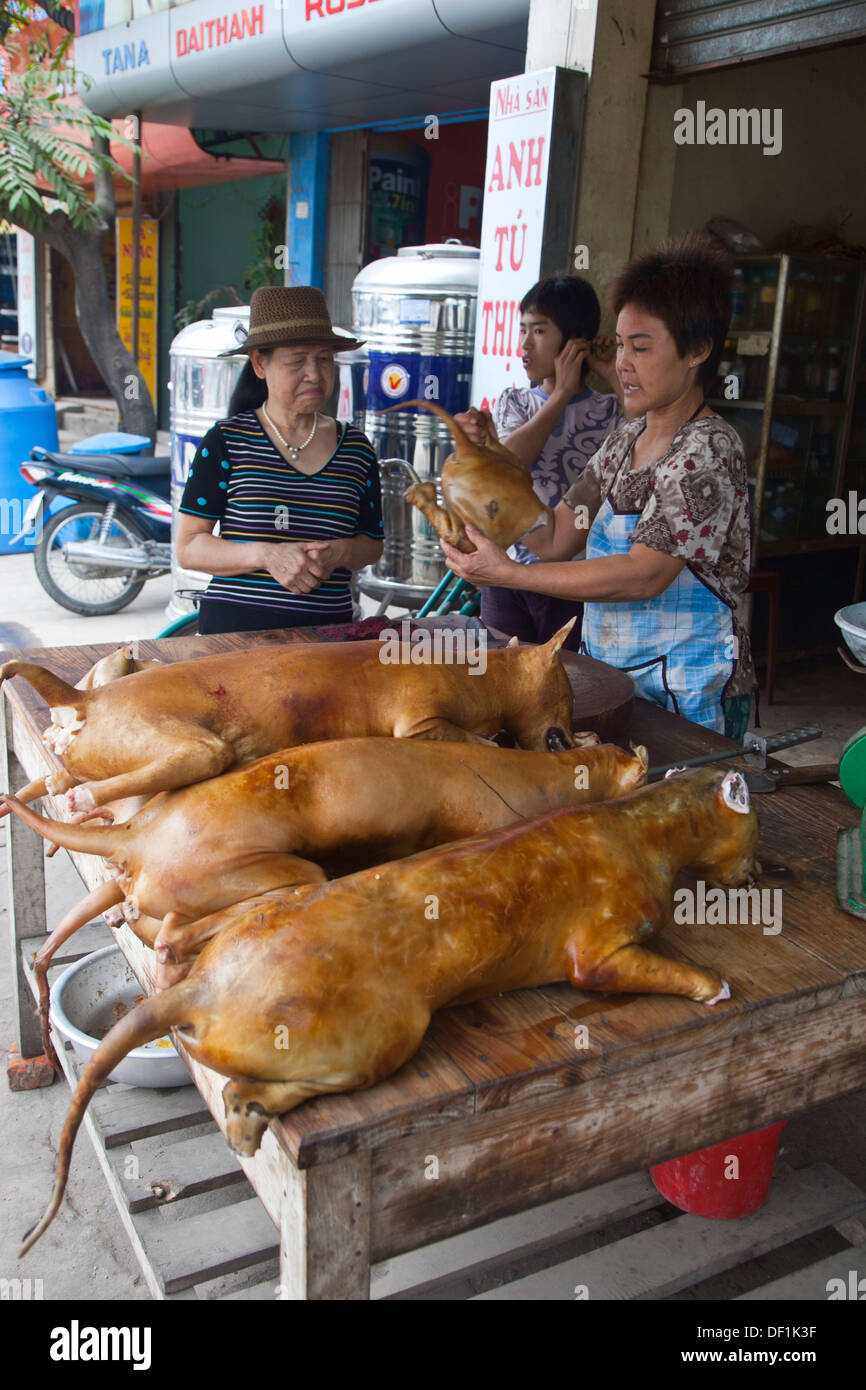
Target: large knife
<point>754,750</point>
<point>770,779</point>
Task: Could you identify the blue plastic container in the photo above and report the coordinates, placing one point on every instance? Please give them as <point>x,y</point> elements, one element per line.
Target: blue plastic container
<point>27,417</point>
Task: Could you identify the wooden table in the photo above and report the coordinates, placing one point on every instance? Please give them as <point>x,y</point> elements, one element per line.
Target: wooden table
<point>530,1096</point>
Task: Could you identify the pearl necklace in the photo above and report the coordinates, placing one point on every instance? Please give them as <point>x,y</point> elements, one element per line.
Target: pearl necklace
<point>292,449</point>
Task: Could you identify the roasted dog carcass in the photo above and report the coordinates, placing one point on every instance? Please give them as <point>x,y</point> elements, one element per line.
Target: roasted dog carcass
<point>354,969</point>
<point>113,667</point>
<point>179,723</point>
<point>284,819</point>
<point>485,484</point>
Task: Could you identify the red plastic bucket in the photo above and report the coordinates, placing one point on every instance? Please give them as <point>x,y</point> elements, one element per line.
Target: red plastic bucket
<point>728,1180</point>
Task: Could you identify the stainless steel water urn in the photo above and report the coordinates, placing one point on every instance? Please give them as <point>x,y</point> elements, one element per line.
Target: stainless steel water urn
<point>201,386</point>
<point>416,314</point>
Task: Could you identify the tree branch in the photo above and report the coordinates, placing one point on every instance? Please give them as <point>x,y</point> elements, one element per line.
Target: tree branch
<point>103,184</point>
<point>57,231</point>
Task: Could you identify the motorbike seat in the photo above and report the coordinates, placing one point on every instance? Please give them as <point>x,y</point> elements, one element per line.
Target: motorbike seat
<point>109,465</point>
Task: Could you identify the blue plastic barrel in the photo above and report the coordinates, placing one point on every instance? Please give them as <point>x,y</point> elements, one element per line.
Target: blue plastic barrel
<point>27,417</point>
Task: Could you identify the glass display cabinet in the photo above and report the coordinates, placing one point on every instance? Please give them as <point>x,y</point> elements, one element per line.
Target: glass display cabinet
<point>792,382</point>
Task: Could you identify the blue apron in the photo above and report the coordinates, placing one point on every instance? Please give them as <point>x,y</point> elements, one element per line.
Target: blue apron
<point>678,648</point>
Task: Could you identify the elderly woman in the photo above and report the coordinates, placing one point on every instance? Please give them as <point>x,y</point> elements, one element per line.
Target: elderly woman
<point>295,493</point>
<point>662,507</point>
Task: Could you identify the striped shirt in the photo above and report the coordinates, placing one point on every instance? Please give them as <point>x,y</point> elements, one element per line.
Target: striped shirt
<point>239,478</point>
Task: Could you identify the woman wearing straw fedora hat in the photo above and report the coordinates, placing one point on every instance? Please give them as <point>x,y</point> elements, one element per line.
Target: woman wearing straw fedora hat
<point>295,493</point>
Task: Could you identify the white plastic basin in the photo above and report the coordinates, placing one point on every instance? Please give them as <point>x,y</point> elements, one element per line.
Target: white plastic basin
<point>84,1004</point>
<point>852,621</point>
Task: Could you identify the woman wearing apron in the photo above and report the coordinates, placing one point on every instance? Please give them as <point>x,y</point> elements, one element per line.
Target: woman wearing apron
<point>661,509</point>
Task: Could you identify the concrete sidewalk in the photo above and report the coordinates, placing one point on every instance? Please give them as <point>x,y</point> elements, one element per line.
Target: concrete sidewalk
<point>29,618</point>
<point>86,1254</point>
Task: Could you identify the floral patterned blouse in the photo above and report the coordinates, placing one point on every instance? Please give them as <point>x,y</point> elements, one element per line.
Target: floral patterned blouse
<point>693,503</point>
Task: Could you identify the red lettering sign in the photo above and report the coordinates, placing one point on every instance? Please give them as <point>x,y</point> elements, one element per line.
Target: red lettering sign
<point>503,316</point>
<point>524,162</point>
<point>322,8</point>
<point>213,33</point>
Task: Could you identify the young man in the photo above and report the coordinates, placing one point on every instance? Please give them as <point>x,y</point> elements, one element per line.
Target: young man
<point>555,426</point>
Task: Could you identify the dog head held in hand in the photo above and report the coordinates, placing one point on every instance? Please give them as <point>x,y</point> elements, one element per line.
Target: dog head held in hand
<point>484,484</point>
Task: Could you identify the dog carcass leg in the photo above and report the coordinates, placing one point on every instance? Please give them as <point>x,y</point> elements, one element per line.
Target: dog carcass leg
<point>53,784</point>
<point>636,970</point>
<point>179,937</point>
<point>423,496</point>
<point>251,1105</point>
<point>97,901</point>
<point>186,758</point>
<point>261,876</point>
<point>441,729</point>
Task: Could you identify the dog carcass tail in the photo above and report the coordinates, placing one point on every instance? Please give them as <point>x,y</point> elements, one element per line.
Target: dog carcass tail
<point>32,792</point>
<point>464,444</point>
<point>90,839</point>
<point>53,689</point>
<point>147,1021</point>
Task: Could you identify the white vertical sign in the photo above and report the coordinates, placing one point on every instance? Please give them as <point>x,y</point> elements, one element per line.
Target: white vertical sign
<point>515,196</point>
<point>27,299</point>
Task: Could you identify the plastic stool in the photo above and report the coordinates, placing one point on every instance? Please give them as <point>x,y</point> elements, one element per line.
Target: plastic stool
<point>769,583</point>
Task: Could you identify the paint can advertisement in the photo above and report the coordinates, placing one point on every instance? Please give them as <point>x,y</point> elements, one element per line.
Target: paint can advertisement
<point>397,200</point>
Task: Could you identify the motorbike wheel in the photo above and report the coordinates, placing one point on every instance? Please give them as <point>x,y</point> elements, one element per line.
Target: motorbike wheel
<point>68,582</point>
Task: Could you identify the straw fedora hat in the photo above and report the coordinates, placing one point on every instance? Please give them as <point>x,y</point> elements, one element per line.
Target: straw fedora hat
<point>281,315</point>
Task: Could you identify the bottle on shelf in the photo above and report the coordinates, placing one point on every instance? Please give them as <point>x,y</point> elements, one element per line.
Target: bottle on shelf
<point>794,308</point>
<point>753,296</point>
<point>833,376</point>
<point>738,300</point>
<point>813,306</point>
<point>725,365</point>
<point>767,299</point>
<point>813,372</point>
<point>824,448</point>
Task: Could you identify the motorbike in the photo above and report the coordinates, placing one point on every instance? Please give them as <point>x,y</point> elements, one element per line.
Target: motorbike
<point>96,555</point>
